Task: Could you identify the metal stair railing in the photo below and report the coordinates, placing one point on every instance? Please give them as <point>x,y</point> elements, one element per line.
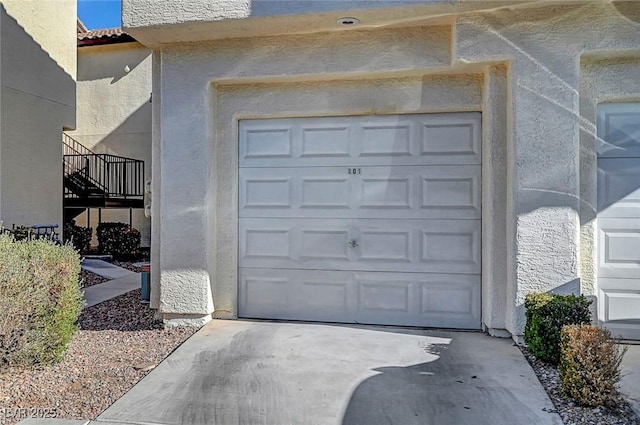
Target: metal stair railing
<point>71,146</point>
<point>106,175</point>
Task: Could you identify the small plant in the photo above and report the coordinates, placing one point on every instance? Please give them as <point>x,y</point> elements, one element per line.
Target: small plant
<point>40,300</point>
<point>590,365</point>
<point>118,239</point>
<point>546,315</point>
<point>21,233</point>
<point>79,237</point>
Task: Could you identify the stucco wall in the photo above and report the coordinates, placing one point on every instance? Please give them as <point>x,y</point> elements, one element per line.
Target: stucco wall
<point>52,25</point>
<point>544,49</point>
<point>37,100</point>
<point>241,80</point>
<point>114,114</point>
<point>158,22</point>
<point>520,67</point>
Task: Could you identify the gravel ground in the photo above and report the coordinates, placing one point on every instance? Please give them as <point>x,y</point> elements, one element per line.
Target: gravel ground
<point>88,278</point>
<point>118,344</point>
<point>129,265</point>
<point>570,412</point>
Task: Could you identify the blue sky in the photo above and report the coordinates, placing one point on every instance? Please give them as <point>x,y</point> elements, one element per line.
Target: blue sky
<point>97,14</point>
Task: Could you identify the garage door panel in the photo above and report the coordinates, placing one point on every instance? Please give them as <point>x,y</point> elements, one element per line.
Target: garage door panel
<point>443,299</point>
<point>325,294</point>
<point>269,193</point>
<point>267,243</point>
<point>437,300</point>
<point>435,246</point>
<point>455,247</point>
<point>618,222</point>
<point>384,297</point>
<point>302,295</point>
<point>619,306</point>
<point>386,138</point>
<point>269,140</point>
<point>451,193</point>
<point>321,244</point>
<point>459,139</point>
<point>325,193</point>
<point>392,192</point>
<point>416,299</point>
<point>619,247</point>
<point>618,187</point>
<point>425,139</point>
<point>386,192</point>
<point>325,141</point>
<point>618,131</point>
<point>265,293</point>
<point>385,245</point>
<point>366,219</point>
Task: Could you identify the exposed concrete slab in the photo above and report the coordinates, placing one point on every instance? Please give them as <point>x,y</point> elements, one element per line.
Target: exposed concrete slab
<point>105,291</point>
<point>630,384</point>
<point>294,373</point>
<point>105,269</point>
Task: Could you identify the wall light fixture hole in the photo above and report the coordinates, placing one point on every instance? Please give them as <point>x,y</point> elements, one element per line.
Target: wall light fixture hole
<point>348,22</point>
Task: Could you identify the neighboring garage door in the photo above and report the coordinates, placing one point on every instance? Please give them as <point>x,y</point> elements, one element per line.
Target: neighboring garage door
<point>368,219</point>
<point>619,219</point>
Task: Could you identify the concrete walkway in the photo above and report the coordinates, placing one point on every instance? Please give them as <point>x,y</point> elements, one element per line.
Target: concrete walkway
<point>105,269</point>
<point>122,281</point>
<point>245,372</point>
<point>105,291</point>
<point>630,385</point>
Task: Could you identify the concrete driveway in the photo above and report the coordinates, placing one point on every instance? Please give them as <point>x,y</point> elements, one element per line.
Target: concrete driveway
<point>630,385</point>
<point>244,372</point>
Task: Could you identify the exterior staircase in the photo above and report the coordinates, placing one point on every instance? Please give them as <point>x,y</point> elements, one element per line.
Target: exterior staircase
<point>94,180</point>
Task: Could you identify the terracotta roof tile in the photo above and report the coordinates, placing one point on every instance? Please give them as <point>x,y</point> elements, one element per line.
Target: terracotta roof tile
<point>103,36</point>
<point>82,28</point>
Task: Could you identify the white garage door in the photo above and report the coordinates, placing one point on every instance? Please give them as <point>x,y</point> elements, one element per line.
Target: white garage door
<point>371,219</point>
<point>619,219</point>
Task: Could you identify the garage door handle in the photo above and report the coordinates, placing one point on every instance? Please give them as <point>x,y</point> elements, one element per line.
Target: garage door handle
<point>353,244</point>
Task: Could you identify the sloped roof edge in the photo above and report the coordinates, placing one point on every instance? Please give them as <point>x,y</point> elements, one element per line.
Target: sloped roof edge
<point>82,28</point>
<point>104,36</point>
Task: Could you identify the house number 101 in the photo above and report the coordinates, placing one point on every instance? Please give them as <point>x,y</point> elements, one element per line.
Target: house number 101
<point>354,171</point>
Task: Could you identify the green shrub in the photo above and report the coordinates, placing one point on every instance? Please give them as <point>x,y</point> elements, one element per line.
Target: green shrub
<point>118,239</point>
<point>21,233</point>
<point>40,300</point>
<point>590,365</point>
<point>546,315</point>
<point>79,236</point>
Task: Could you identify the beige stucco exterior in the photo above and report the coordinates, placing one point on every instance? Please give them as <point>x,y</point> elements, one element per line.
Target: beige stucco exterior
<point>37,101</point>
<point>114,114</point>
<point>535,71</point>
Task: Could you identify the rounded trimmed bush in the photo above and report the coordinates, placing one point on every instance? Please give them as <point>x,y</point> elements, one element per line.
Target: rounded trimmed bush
<point>118,239</point>
<point>590,365</point>
<point>40,300</point>
<point>546,315</point>
<point>78,236</point>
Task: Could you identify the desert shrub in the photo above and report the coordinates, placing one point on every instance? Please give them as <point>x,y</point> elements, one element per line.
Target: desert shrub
<point>40,300</point>
<point>546,315</point>
<point>21,233</point>
<point>118,239</point>
<point>78,236</point>
<point>590,365</point>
